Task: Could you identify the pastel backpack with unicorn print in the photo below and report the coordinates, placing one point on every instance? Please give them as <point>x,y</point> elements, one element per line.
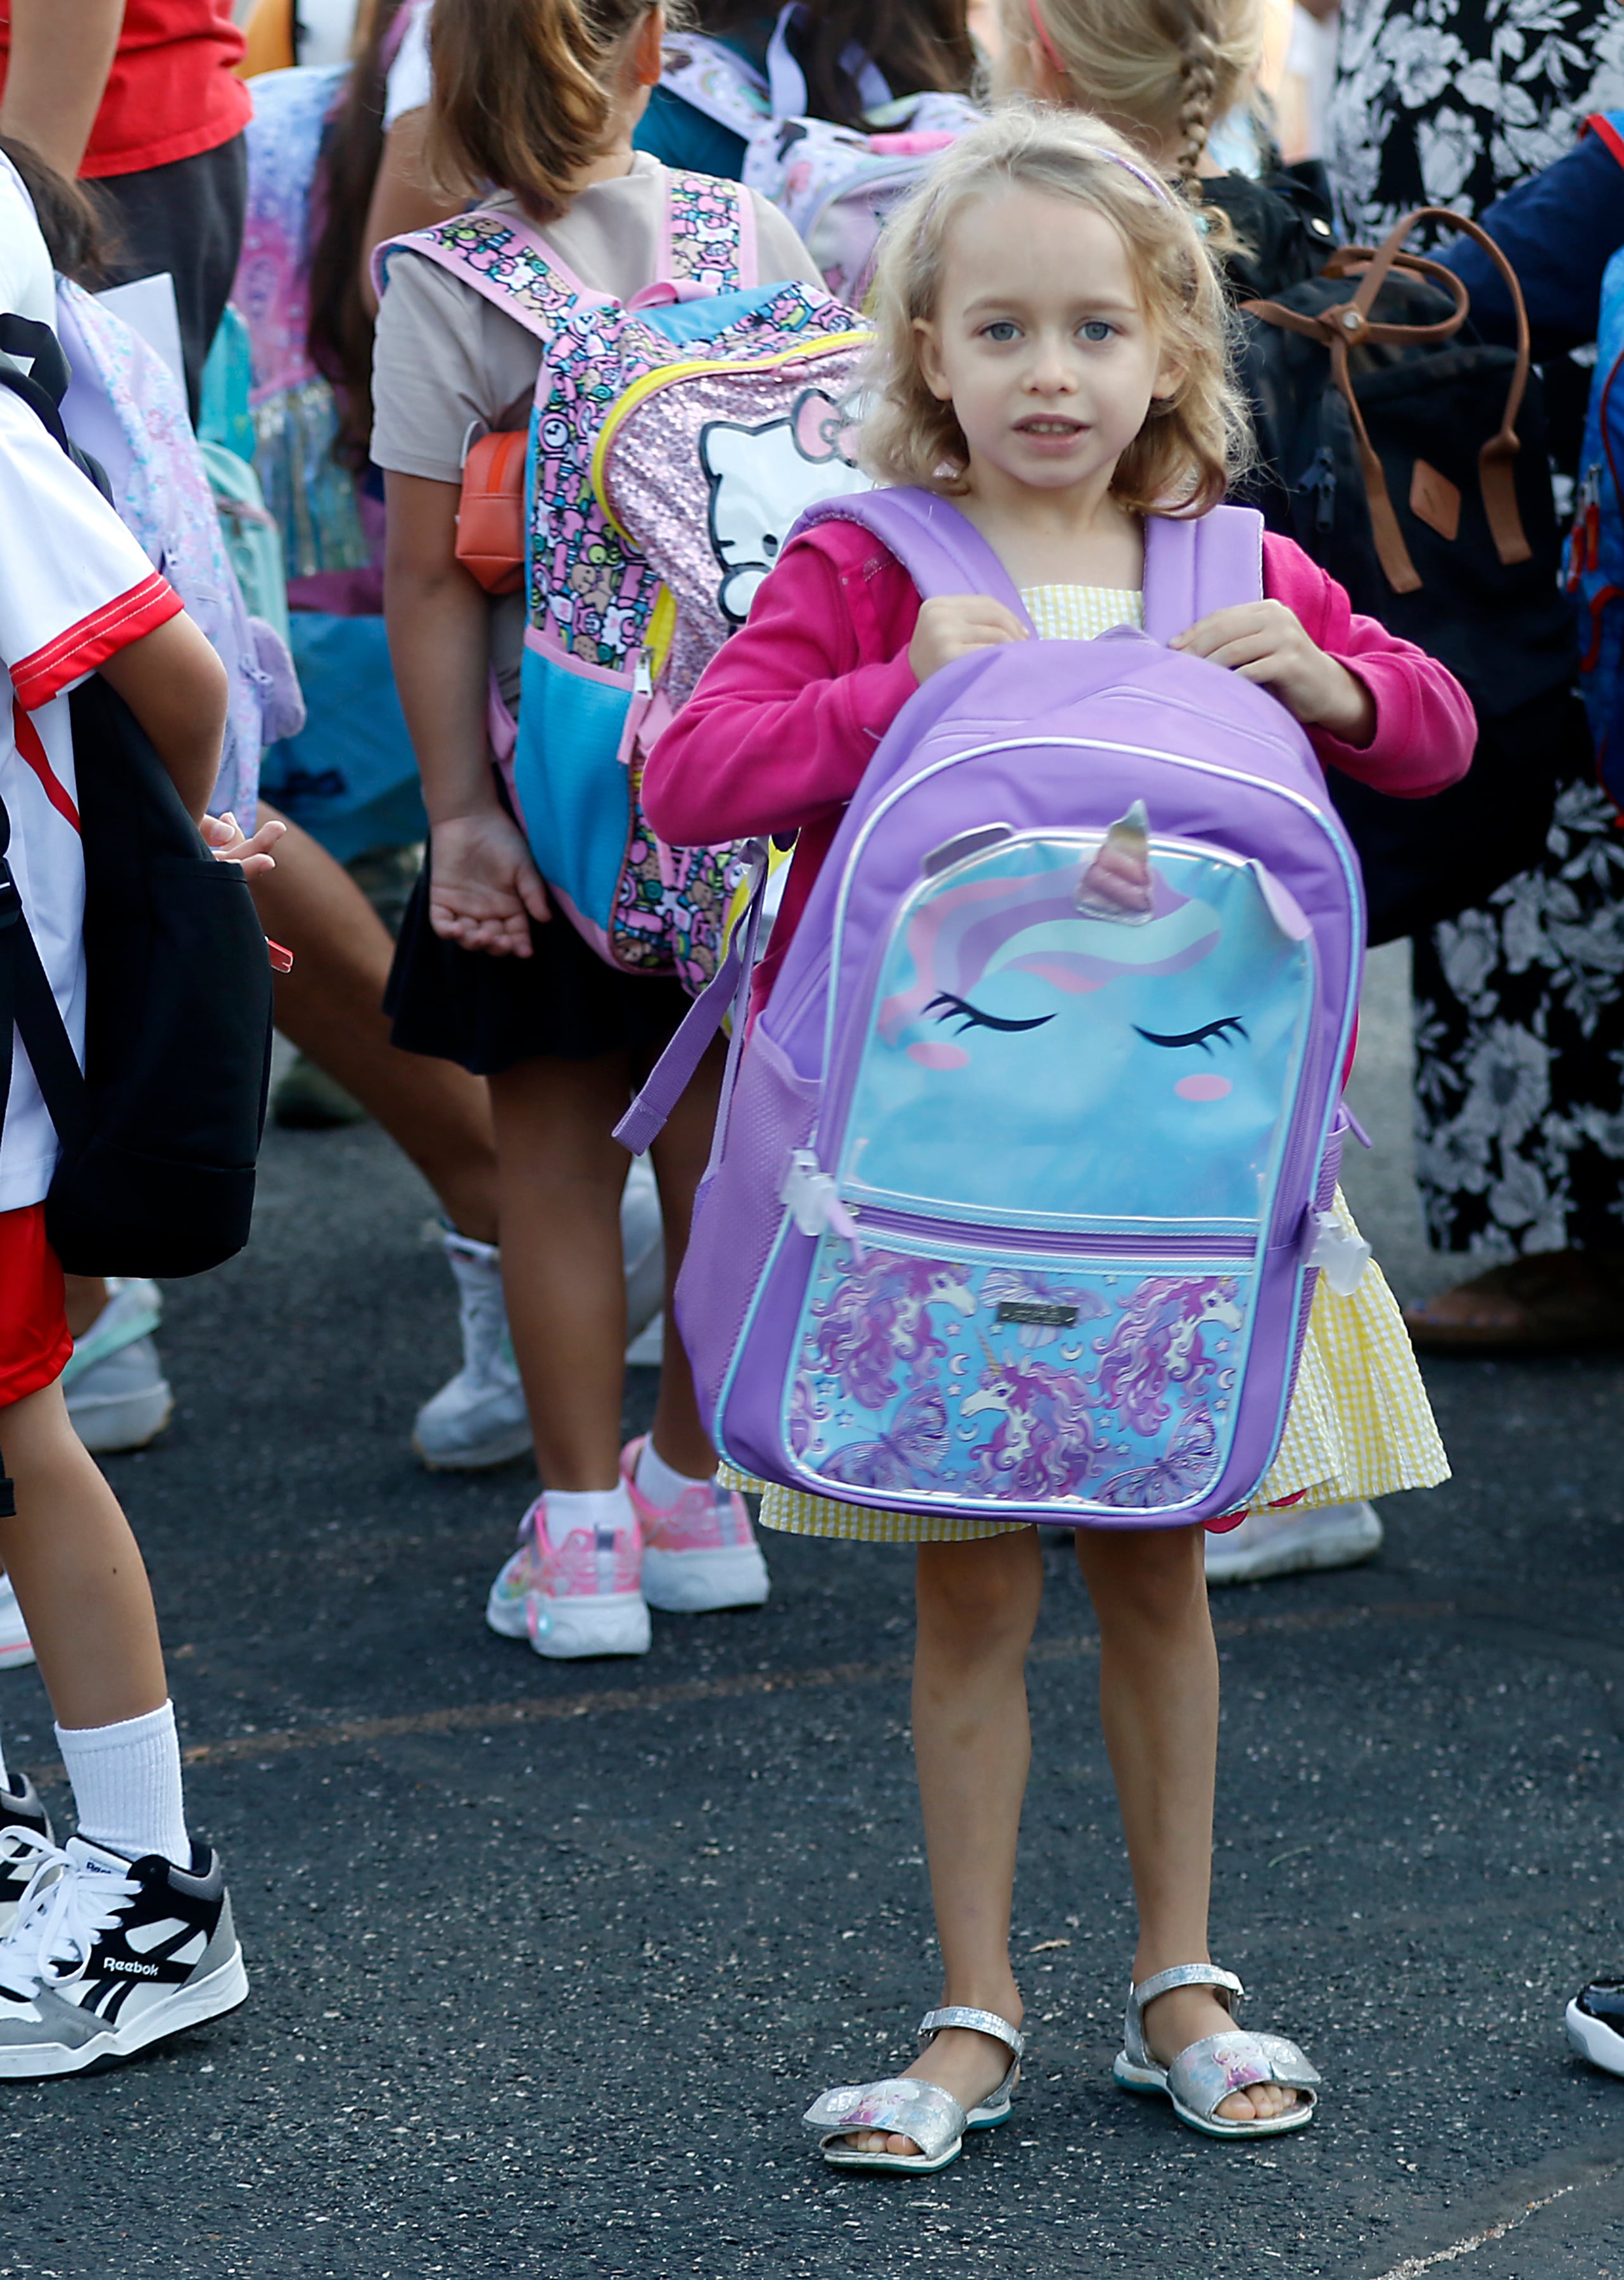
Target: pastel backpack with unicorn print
<point>1019,1196</point>
<point>673,443</point>
<point>836,184</point>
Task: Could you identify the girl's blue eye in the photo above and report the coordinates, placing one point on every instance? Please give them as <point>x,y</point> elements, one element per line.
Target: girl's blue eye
<point>1096,328</point>
<point>1001,329</point>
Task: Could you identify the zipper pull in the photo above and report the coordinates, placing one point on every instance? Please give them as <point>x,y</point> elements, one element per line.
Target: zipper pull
<point>1320,481</point>
<point>642,676</point>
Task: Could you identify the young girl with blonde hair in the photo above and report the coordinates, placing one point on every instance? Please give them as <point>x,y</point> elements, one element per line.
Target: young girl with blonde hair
<point>1051,360</point>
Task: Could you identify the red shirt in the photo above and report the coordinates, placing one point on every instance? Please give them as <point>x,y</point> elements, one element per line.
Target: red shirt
<point>172,92</point>
<point>788,715</point>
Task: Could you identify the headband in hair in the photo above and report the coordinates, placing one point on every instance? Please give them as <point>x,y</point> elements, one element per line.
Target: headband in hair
<point>1140,174</point>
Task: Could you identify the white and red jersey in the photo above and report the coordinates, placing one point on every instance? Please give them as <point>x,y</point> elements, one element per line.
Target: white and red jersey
<point>74,589</point>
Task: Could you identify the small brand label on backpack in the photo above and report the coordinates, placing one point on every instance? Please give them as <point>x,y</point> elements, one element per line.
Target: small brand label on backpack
<point>1053,1317</point>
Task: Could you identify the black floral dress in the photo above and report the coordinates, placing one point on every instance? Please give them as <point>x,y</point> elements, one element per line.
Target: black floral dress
<point>1450,102</point>
<point>1519,1006</point>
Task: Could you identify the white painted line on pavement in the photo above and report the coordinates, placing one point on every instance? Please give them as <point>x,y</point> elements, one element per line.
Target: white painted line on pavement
<point>1414,2266</point>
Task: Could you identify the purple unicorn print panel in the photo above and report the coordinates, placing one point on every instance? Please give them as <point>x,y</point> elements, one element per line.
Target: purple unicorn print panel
<point>1032,1063</point>
<point>925,1375</point>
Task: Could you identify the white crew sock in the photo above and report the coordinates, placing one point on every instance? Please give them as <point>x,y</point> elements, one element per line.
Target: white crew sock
<point>661,1482</point>
<point>568,1509</point>
<point>126,1785</point>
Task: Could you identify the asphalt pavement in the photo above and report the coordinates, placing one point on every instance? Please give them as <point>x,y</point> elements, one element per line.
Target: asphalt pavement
<point>546,1959</point>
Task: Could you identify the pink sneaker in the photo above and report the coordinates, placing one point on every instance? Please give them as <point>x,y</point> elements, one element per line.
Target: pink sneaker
<point>699,1553</point>
<point>579,1597</point>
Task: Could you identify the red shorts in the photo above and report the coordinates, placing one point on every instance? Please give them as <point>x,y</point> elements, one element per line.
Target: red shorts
<point>35,1341</point>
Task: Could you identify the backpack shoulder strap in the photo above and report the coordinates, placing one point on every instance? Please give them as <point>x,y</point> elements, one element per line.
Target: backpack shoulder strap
<point>708,236</point>
<point>503,257</point>
<point>718,83</point>
<point>941,549</point>
<point>1194,565</point>
<point>28,1009</point>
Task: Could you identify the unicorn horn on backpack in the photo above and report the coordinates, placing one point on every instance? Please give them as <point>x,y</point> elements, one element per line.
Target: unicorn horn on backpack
<point>1116,881</point>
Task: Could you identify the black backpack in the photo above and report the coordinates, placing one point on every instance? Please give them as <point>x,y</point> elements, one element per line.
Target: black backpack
<point>160,1133</point>
<point>1408,457</point>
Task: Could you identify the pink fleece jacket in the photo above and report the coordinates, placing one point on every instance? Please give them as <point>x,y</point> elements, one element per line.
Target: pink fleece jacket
<point>787,716</point>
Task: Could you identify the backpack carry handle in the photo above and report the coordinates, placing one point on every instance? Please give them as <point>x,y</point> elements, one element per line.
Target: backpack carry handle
<point>1349,325</point>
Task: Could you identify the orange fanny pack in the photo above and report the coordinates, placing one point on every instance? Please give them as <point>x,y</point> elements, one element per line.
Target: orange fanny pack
<point>490,517</point>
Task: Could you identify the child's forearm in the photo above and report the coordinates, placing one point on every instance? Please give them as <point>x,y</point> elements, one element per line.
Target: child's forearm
<point>438,628</point>
<point>177,688</point>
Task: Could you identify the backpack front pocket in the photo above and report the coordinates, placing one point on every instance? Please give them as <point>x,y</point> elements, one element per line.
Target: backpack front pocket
<point>1048,1379</point>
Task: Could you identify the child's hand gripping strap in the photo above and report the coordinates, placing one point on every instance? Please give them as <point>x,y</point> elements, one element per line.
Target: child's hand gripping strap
<point>728,986</point>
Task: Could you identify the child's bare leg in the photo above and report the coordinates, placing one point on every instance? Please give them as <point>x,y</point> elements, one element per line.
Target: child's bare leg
<point>978,1602</point>
<point>680,1156</point>
<point>331,1006</point>
<point>78,1576</point>
<point>1158,1706</point>
<point>559,1176</point>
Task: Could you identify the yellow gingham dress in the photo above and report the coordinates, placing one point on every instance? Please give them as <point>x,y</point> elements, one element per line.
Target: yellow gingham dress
<point>1359,1423</point>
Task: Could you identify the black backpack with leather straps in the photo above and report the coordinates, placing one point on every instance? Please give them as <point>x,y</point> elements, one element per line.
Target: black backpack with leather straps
<point>1408,458</point>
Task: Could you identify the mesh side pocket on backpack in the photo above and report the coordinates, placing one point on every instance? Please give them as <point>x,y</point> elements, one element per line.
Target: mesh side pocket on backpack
<point>737,1212</point>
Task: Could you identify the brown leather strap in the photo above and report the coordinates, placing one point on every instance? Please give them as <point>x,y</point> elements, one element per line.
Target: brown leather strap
<point>1349,325</point>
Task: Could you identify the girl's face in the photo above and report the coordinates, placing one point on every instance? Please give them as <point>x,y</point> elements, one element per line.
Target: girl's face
<point>1039,343</point>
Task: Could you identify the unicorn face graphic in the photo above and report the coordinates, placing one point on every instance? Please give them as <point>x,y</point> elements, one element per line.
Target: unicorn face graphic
<point>1035,1061</point>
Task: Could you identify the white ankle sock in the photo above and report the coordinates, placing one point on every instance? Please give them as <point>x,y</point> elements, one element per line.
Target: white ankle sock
<point>661,1482</point>
<point>126,1785</point>
<point>568,1509</point>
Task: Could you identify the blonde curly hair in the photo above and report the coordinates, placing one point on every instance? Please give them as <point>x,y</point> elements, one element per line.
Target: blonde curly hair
<point>1194,442</point>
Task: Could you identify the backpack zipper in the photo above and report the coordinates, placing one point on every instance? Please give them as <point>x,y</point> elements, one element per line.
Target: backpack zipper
<point>1193,1250</point>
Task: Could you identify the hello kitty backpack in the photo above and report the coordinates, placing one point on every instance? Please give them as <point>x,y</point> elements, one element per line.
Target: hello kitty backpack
<point>1017,1203</point>
<point>838,185</point>
<point>673,444</point>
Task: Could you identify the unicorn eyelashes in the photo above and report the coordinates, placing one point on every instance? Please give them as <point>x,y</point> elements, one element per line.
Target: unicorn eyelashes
<point>975,1019</point>
<point>1229,1023</point>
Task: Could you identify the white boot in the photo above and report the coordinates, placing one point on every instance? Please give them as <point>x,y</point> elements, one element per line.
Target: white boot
<point>479,1418</point>
<point>1289,1542</point>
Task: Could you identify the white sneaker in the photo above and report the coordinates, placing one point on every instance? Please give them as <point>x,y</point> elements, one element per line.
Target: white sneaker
<point>118,1396</point>
<point>580,1598</point>
<point>106,1956</point>
<point>1289,1542</point>
<point>16,1648</point>
<point>478,1419</point>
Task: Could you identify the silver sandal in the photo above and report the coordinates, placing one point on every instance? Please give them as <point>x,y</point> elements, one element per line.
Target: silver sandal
<point>1203,2075</point>
<point>908,2107</point>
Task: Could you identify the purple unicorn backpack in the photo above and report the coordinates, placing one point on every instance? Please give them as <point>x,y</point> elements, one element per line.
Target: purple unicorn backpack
<point>1018,1199</point>
<point>673,443</point>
